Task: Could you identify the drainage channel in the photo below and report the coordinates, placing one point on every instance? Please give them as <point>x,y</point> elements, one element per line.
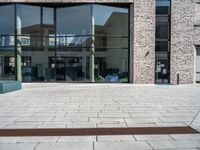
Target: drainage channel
<point>97,131</point>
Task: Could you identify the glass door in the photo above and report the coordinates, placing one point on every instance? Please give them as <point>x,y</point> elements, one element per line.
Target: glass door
<point>162,71</point>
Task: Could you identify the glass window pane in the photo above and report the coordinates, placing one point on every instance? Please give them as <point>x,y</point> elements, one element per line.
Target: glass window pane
<point>7,19</point>
<point>113,20</point>
<point>162,27</point>
<point>48,16</point>
<point>28,19</point>
<point>198,51</point>
<point>74,20</point>
<point>163,7</point>
<point>111,66</point>
<point>7,65</point>
<point>74,68</point>
<point>111,42</point>
<point>162,46</point>
<point>68,43</point>
<point>7,41</point>
<point>162,2</point>
<point>30,43</point>
<point>36,66</point>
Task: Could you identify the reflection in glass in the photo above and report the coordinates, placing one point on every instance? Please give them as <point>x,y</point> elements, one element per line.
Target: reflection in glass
<point>7,66</point>
<point>48,16</point>
<point>28,19</point>
<point>198,50</point>
<point>74,20</point>
<point>82,45</point>
<point>162,6</point>
<point>162,71</point>
<point>7,20</point>
<point>113,21</point>
<point>111,43</point>
<point>73,43</point>
<point>36,41</point>
<point>36,66</point>
<point>70,69</point>
<point>7,42</point>
<point>111,66</point>
<point>162,27</point>
<point>162,46</point>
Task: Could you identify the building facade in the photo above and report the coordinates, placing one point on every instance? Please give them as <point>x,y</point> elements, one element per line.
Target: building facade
<point>134,41</point>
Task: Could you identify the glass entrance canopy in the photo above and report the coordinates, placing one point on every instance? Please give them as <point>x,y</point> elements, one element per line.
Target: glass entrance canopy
<point>72,43</point>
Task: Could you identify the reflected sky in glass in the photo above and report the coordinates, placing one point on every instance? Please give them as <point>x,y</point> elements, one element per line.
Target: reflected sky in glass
<point>102,13</point>
<point>7,19</point>
<point>29,15</point>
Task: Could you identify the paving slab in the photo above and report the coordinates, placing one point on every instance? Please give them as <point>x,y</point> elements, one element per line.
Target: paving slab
<point>66,105</point>
<point>121,146</point>
<point>181,144</point>
<point>18,146</point>
<point>65,146</point>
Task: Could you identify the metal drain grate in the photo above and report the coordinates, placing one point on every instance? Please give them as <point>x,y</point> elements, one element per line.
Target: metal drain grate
<point>96,131</point>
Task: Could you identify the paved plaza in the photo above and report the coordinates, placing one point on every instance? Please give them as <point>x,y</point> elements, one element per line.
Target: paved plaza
<point>65,105</point>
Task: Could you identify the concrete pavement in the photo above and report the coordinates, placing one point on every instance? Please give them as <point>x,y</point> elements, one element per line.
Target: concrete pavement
<point>64,105</point>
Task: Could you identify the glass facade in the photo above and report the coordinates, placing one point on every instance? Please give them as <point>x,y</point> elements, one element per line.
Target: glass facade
<point>163,16</point>
<point>68,43</point>
<point>111,43</point>
<point>198,64</point>
<point>7,43</point>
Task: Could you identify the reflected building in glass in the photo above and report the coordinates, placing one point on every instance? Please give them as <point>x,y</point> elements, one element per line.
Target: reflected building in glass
<point>72,43</point>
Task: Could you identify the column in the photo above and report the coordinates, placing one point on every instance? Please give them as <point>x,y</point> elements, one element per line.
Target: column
<point>19,52</point>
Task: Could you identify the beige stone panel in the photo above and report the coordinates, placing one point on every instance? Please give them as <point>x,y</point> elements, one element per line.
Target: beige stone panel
<point>182,48</point>
<point>196,13</point>
<point>144,41</point>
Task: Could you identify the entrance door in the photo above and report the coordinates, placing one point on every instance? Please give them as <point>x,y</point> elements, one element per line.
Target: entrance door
<point>198,65</point>
<point>162,74</point>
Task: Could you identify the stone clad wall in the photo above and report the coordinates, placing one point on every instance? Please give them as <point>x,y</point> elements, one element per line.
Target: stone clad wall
<point>144,41</point>
<point>185,34</point>
<point>182,45</point>
<point>197,22</point>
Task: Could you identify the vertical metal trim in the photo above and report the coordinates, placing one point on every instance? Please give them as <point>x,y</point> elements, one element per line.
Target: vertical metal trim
<point>169,44</point>
<point>92,63</point>
<point>41,35</point>
<point>129,51</point>
<point>55,42</point>
<point>155,73</point>
<point>15,35</point>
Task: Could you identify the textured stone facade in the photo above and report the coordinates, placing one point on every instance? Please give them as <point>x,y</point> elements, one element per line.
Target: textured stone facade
<point>197,23</point>
<point>144,41</point>
<point>184,35</point>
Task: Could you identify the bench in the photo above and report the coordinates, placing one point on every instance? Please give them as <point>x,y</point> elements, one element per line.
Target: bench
<point>9,86</point>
